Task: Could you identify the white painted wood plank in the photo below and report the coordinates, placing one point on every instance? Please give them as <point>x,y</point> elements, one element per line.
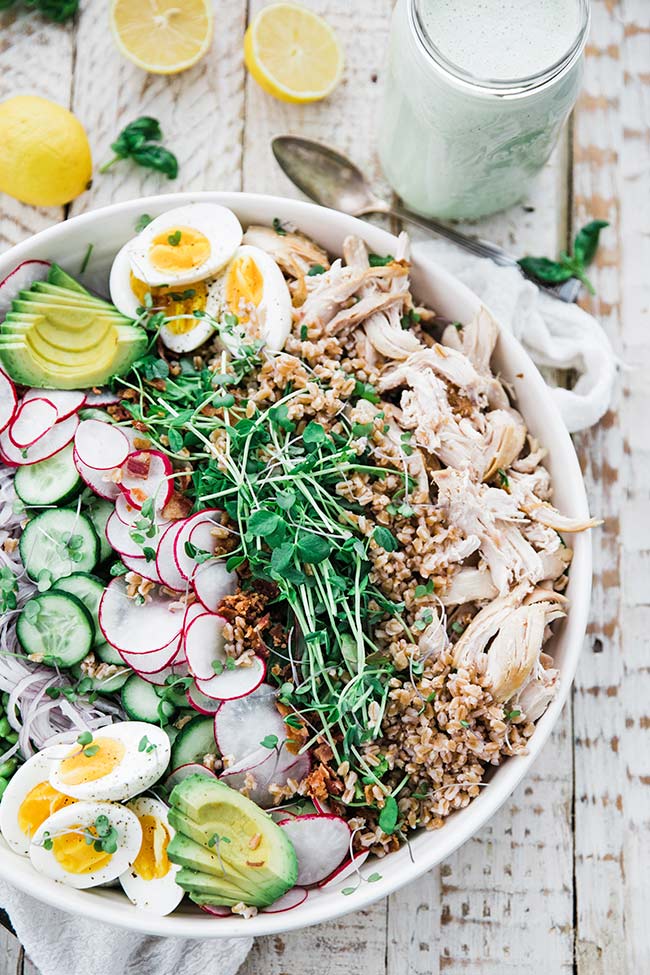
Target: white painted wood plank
<point>200,111</point>
<point>10,954</point>
<point>611,713</point>
<point>35,59</point>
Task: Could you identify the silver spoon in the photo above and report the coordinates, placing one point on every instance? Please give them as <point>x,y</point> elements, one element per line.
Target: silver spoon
<point>330,179</point>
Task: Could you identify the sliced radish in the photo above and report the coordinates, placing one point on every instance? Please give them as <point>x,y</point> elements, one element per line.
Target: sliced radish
<point>196,531</point>
<point>280,815</point>
<point>320,842</point>
<point>21,279</point>
<point>205,644</point>
<point>102,398</point>
<point>165,561</point>
<point>138,628</point>
<point>293,898</point>
<point>147,474</point>
<point>241,724</point>
<point>32,421</point>
<point>154,661</point>
<point>235,683</point>
<point>201,703</point>
<point>212,582</point>
<point>265,772</point>
<point>99,445</point>
<point>144,567</point>
<point>160,677</point>
<point>192,611</point>
<point>128,514</point>
<point>100,482</point>
<point>67,401</point>
<point>119,538</point>
<point>50,443</point>
<point>216,910</point>
<point>183,771</point>
<point>345,870</point>
<point>8,400</point>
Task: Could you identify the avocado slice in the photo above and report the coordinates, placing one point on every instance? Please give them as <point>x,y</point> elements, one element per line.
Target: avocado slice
<point>227,846</point>
<point>57,335</point>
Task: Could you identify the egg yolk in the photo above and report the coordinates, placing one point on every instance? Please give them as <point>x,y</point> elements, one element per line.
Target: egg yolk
<point>38,805</point>
<point>244,287</point>
<point>152,862</point>
<point>179,249</point>
<point>174,301</point>
<point>76,855</point>
<point>87,765</point>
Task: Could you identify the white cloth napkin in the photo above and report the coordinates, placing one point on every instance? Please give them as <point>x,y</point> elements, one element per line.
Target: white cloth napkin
<point>553,333</point>
<point>62,944</point>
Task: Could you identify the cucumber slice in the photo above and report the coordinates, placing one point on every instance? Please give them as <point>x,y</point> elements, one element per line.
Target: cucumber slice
<point>108,654</point>
<point>103,685</point>
<point>57,543</point>
<point>52,481</point>
<point>89,589</point>
<point>57,626</point>
<point>99,511</point>
<point>141,701</point>
<point>193,742</point>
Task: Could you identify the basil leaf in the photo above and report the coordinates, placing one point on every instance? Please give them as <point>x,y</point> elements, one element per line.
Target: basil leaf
<point>586,242</point>
<point>57,10</point>
<point>543,269</point>
<point>158,158</point>
<point>135,134</point>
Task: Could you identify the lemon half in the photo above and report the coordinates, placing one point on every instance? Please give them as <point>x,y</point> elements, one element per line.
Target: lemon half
<point>162,36</point>
<point>293,53</point>
<point>44,153</point>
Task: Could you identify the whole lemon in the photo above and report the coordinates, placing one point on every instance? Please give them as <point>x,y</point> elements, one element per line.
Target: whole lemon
<point>44,153</point>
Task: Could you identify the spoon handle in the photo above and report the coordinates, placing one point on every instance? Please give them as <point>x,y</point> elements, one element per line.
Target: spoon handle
<point>568,291</point>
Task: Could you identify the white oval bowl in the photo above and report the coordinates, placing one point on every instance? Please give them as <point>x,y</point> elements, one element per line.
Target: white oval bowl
<point>108,229</point>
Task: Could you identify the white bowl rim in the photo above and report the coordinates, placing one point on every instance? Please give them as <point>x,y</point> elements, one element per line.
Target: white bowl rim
<point>102,905</point>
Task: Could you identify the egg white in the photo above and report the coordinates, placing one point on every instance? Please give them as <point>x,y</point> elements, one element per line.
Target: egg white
<point>35,771</point>
<point>137,771</point>
<point>271,319</point>
<point>218,224</point>
<point>83,815</point>
<point>119,283</point>
<point>161,895</point>
<point>187,341</point>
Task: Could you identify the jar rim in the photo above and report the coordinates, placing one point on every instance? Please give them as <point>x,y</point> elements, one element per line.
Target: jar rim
<point>508,87</point>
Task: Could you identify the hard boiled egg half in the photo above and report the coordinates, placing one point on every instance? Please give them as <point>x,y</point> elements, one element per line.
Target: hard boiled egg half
<point>120,761</point>
<point>168,266</point>
<point>68,845</point>
<point>150,881</point>
<point>29,800</point>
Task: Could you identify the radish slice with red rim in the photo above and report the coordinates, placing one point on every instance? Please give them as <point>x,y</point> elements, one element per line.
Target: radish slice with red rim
<point>160,678</point>
<point>147,474</point>
<point>144,567</point>
<point>183,771</point>
<point>100,445</point>
<point>135,627</point>
<point>165,561</point>
<point>154,661</point>
<point>31,421</point>
<point>100,482</point>
<point>118,537</point>
<point>293,898</point>
<point>346,869</point>
<point>234,683</point>
<point>128,514</point>
<point>205,646</point>
<point>21,279</point>
<point>212,582</point>
<point>201,703</point>
<point>67,401</point>
<point>196,532</point>
<point>50,443</point>
<point>265,773</point>
<point>215,910</point>
<point>241,724</point>
<point>8,400</point>
<point>105,397</point>
<point>320,842</point>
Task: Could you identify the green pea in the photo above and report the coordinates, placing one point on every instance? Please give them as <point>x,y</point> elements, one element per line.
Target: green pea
<point>3,786</point>
<point>8,768</point>
<point>5,727</point>
<point>11,737</point>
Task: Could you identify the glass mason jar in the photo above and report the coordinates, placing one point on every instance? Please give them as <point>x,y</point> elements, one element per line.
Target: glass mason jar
<point>456,145</point>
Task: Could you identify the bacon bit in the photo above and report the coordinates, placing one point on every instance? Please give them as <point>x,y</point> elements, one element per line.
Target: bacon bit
<point>321,783</point>
<point>460,404</point>
<point>118,412</point>
<point>158,384</point>
<point>138,465</point>
<point>177,507</point>
<point>323,752</point>
<point>139,495</point>
<point>10,544</point>
<point>255,841</point>
<point>296,736</point>
<point>139,442</point>
<point>255,863</point>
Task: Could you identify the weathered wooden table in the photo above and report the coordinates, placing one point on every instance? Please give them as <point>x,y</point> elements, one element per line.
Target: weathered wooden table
<point>558,881</point>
